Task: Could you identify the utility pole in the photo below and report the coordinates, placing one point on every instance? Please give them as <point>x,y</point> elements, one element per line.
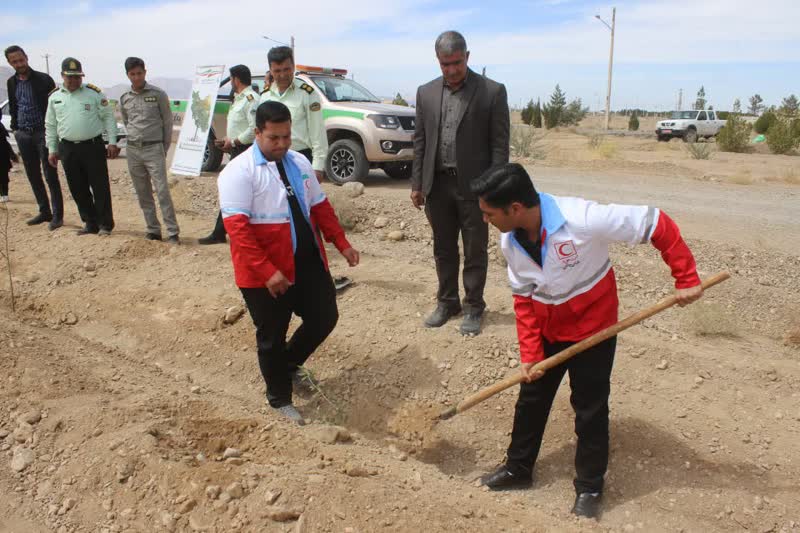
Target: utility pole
<point>47,62</point>
<point>680,99</point>
<point>611,27</point>
<point>292,45</point>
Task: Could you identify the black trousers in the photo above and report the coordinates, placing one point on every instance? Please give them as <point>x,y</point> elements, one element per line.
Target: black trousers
<point>34,153</point>
<point>87,176</point>
<point>589,378</point>
<point>3,181</point>
<point>450,213</point>
<point>313,299</point>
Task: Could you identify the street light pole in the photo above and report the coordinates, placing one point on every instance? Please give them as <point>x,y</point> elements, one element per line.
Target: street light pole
<point>612,27</point>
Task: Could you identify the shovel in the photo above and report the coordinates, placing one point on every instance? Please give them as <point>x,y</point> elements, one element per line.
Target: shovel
<point>573,350</point>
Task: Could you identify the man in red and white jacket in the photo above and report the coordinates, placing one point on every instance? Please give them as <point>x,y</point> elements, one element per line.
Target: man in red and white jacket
<point>273,209</point>
<point>565,291</point>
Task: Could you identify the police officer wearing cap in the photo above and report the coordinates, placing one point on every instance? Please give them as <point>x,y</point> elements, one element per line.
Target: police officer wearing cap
<point>148,119</point>
<point>241,131</point>
<point>77,115</point>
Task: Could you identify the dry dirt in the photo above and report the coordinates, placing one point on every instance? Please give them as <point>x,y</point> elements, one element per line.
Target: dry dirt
<point>123,390</point>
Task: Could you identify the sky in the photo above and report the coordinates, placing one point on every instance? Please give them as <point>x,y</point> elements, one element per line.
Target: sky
<point>731,47</point>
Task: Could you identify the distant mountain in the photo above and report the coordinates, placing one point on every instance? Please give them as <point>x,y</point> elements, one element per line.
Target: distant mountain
<point>176,88</point>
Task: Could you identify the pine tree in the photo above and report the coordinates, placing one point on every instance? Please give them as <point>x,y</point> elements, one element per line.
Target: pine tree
<point>700,103</point>
<point>756,104</point>
<point>554,110</point>
<point>633,122</point>
<point>527,113</point>
<point>737,106</point>
<point>537,114</point>
<point>399,100</point>
<point>790,105</point>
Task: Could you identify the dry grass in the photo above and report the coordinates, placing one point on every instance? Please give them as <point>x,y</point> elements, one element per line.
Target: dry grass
<point>607,149</point>
<point>595,140</point>
<point>742,179</point>
<point>526,142</point>
<point>791,176</point>
<point>710,319</point>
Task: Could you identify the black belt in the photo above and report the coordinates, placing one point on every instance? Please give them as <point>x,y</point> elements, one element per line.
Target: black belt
<point>30,130</point>
<point>97,139</point>
<point>142,144</point>
<point>449,171</point>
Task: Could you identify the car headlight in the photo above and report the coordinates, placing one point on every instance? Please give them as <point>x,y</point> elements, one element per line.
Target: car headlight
<point>387,122</point>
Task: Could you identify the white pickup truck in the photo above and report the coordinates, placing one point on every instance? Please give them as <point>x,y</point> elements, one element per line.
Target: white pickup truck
<point>689,125</point>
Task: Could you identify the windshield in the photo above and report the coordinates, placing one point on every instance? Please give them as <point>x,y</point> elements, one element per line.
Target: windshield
<point>343,90</point>
<point>683,115</point>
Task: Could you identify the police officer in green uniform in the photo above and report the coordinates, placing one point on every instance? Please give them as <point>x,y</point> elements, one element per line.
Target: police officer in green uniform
<point>77,115</point>
<point>241,131</point>
<point>148,119</point>
<point>308,127</point>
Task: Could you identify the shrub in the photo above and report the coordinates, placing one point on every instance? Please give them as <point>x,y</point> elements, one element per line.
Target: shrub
<point>765,121</point>
<point>699,150</point>
<point>734,136</point>
<point>633,123</point>
<point>795,128</point>
<point>525,142</point>
<point>780,139</point>
<point>595,140</point>
<point>607,149</point>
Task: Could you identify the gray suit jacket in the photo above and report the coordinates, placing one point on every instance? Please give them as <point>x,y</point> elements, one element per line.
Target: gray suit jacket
<point>482,138</point>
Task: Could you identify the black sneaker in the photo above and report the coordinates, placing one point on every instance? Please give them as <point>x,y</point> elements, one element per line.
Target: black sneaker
<point>587,504</point>
<point>87,229</point>
<point>440,316</point>
<point>504,479</point>
<point>211,239</point>
<point>174,239</point>
<point>104,232</point>
<point>471,325</point>
<point>39,219</point>
<point>55,224</point>
<point>152,237</point>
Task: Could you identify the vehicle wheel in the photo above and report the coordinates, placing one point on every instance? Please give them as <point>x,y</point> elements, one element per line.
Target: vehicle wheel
<point>690,136</point>
<point>398,170</point>
<point>346,162</point>
<point>212,156</point>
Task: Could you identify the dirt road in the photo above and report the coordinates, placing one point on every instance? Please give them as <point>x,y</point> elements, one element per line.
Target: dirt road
<point>123,389</point>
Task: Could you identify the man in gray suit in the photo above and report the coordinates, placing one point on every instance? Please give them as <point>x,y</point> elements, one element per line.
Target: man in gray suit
<point>462,128</point>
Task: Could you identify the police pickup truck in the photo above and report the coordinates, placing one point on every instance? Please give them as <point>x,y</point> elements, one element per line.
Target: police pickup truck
<point>363,133</point>
<point>689,125</point>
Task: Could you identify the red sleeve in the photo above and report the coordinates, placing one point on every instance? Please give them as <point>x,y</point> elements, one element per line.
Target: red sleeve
<point>667,239</point>
<point>528,331</point>
<point>249,259</point>
<point>326,218</point>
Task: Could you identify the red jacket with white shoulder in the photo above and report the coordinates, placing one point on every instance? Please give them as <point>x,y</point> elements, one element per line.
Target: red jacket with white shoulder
<point>255,211</point>
<point>573,295</point>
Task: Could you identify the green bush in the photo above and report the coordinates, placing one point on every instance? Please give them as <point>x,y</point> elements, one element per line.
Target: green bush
<point>780,139</point>
<point>795,127</point>
<point>765,121</point>
<point>633,123</point>
<point>734,136</point>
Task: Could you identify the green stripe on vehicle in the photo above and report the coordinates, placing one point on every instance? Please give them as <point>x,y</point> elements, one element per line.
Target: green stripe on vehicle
<point>179,106</point>
<point>329,113</point>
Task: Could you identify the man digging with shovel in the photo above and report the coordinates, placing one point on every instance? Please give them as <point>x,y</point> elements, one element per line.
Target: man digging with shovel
<point>565,291</point>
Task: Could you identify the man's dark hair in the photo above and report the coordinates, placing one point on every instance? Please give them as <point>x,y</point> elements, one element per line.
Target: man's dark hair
<point>14,48</point>
<point>133,62</point>
<point>502,185</point>
<point>279,54</point>
<point>272,111</point>
<point>242,73</point>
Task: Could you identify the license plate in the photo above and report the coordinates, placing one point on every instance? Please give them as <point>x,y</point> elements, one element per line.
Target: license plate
<point>666,131</point>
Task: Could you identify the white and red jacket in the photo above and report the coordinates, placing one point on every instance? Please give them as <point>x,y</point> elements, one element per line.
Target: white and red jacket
<point>573,295</point>
<point>255,211</point>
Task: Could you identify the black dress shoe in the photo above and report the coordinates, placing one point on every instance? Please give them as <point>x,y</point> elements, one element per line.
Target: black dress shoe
<point>152,237</point>
<point>55,224</point>
<point>39,219</point>
<point>211,239</point>
<point>505,479</point>
<point>471,325</point>
<point>440,316</point>
<point>587,504</point>
<point>87,229</point>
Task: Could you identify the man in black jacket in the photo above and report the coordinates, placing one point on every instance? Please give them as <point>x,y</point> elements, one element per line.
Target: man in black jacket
<point>27,98</point>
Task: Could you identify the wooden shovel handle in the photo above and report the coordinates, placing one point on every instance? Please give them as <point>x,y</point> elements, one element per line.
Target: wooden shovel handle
<point>575,349</point>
